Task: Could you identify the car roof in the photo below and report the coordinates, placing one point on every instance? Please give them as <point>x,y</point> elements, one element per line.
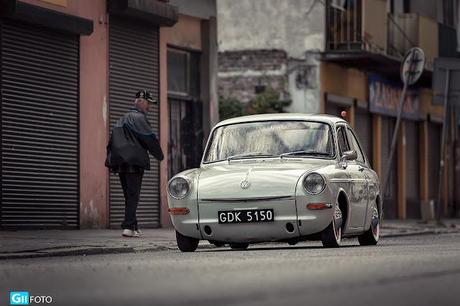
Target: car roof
<point>283,116</point>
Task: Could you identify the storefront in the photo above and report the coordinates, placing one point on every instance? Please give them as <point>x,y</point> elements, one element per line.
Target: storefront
<point>134,63</point>
<point>39,79</point>
<point>371,102</point>
<point>402,195</point>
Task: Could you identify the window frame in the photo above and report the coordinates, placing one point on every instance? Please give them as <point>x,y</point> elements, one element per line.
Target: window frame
<point>338,127</point>
<point>365,160</point>
<point>213,134</point>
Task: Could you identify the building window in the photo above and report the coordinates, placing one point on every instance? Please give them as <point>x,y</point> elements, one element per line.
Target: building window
<point>178,72</point>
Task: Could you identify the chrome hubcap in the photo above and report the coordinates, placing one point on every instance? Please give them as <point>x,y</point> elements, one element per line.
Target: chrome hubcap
<point>337,224</point>
<point>375,224</point>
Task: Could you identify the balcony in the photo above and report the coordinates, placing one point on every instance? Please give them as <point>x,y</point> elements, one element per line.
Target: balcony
<point>362,34</point>
<point>356,26</point>
<point>408,30</point>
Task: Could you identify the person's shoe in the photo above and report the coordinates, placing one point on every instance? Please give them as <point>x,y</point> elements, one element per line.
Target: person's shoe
<point>128,233</point>
<point>137,233</point>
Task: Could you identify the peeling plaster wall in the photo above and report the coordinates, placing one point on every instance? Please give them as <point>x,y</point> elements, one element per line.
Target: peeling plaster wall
<point>304,84</point>
<point>295,27</point>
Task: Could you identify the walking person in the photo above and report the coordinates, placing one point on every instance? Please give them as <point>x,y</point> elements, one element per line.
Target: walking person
<point>131,141</point>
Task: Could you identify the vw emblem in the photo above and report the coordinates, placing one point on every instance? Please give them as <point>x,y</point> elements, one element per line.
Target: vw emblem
<point>245,184</point>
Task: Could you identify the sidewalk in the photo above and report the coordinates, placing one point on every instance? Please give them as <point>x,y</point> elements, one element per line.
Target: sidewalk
<point>47,243</point>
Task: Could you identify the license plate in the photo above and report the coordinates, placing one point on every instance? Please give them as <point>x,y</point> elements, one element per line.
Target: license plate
<point>246,216</point>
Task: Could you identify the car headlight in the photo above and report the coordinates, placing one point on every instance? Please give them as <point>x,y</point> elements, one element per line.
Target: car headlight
<point>179,188</point>
<point>314,183</point>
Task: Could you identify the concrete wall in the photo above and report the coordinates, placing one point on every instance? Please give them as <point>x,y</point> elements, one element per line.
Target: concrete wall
<point>374,20</point>
<point>241,71</point>
<point>261,30</point>
<point>185,33</point>
<point>294,26</point>
<point>304,82</point>
<point>345,82</point>
<point>93,109</point>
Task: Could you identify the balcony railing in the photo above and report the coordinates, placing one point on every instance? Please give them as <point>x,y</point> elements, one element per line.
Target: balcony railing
<point>356,25</point>
<point>344,20</point>
<point>411,30</point>
<point>364,25</point>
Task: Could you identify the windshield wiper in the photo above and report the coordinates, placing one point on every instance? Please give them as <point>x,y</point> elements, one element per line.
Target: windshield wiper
<point>296,153</point>
<point>249,155</point>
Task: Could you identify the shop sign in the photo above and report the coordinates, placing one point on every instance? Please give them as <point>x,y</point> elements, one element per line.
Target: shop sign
<point>384,96</point>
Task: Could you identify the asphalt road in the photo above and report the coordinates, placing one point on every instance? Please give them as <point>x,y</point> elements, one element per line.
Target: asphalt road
<point>417,270</point>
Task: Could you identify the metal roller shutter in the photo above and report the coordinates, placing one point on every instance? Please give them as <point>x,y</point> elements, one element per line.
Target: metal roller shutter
<point>434,157</point>
<point>391,193</point>
<point>39,127</point>
<point>412,170</point>
<point>134,64</point>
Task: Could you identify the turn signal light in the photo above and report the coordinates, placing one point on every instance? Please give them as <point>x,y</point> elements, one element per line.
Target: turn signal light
<point>179,211</point>
<point>318,206</point>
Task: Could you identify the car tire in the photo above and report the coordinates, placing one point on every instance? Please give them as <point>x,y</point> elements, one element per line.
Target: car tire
<point>186,244</point>
<point>372,235</point>
<point>331,236</point>
<point>239,246</point>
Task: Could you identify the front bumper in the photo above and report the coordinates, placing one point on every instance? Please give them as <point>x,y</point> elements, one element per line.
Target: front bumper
<point>291,221</point>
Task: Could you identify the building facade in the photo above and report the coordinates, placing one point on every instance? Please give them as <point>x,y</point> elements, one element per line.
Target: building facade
<point>69,70</point>
<point>330,56</point>
<point>360,73</point>
<point>272,43</point>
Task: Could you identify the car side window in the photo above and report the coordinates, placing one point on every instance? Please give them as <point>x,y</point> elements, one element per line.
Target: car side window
<point>355,145</point>
<point>342,140</point>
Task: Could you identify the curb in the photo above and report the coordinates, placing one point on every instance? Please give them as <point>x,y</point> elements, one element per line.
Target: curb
<point>96,250</point>
<point>71,251</point>
<point>419,233</point>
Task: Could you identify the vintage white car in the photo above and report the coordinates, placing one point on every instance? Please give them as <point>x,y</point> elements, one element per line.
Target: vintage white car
<point>277,177</point>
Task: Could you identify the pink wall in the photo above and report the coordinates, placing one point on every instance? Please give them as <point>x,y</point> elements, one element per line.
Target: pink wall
<point>164,130</point>
<point>93,110</point>
<point>185,33</point>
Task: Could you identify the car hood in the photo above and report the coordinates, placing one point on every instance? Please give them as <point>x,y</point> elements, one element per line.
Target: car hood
<point>253,180</point>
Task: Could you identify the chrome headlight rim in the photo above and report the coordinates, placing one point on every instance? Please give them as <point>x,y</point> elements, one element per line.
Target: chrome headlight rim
<point>189,185</point>
<point>310,191</point>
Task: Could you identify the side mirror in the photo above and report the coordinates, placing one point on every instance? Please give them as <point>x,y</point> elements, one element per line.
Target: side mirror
<point>349,155</point>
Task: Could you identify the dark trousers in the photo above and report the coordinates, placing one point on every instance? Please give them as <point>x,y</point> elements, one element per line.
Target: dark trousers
<point>131,183</point>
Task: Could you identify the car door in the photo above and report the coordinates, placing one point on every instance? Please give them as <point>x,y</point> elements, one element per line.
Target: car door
<point>359,188</point>
<point>343,144</point>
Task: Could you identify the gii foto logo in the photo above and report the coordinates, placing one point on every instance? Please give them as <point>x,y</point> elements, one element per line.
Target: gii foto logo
<point>19,298</point>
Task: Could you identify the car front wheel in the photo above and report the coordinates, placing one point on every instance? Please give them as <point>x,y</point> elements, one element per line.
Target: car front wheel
<point>186,244</point>
<point>332,235</point>
<point>372,235</point>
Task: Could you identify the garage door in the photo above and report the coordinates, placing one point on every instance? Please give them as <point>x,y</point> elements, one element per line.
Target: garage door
<point>134,64</point>
<point>412,170</point>
<point>390,194</point>
<point>39,127</point>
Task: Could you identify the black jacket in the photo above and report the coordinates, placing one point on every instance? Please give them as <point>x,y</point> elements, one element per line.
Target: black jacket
<point>130,141</point>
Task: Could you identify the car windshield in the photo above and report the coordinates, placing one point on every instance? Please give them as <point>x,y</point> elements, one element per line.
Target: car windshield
<point>270,139</point>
